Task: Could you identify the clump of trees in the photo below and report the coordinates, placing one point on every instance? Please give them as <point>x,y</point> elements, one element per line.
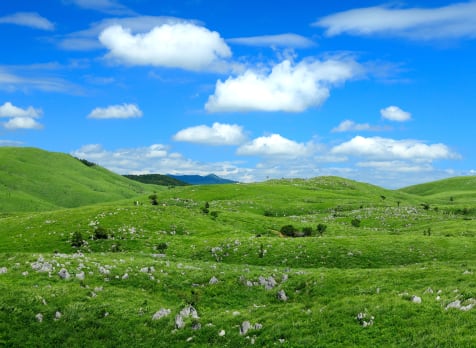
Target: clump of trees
<point>291,231</point>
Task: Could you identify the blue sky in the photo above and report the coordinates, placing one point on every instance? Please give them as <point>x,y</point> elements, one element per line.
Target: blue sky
<point>380,92</point>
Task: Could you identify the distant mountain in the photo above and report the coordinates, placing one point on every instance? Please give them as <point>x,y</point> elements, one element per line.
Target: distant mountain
<point>157,179</point>
<point>210,179</point>
<point>36,180</point>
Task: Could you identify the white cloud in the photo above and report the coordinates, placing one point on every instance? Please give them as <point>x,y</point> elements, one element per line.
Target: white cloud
<point>106,6</point>
<point>377,148</point>
<point>20,118</point>
<point>87,39</point>
<point>282,40</point>
<point>28,19</point>
<point>447,22</point>
<point>217,134</point>
<point>154,159</point>
<point>10,110</point>
<point>116,111</point>
<point>275,145</point>
<point>22,123</point>
<point>288,87</point>
<point>394,113</point>
<point>181,45</point>
<point>351,126</point>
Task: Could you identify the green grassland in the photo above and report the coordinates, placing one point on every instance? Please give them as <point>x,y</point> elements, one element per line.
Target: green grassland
<point>37,180</point>
<point>391,281</point>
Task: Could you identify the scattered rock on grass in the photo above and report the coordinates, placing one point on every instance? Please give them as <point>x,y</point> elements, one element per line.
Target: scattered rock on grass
<point>64,274</point>
<point>282,295</point>
<point>161,313</point>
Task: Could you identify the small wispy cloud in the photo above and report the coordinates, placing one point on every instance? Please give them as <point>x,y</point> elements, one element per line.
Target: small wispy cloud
<point>28,19</point>
<point>288,40</point>
<point>351,126</point>
<point>446,22</point>
<point>116,111</point>
<point>394,113</point>
<point>106,6</point>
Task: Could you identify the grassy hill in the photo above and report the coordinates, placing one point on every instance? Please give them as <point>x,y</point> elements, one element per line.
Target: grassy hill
<point>462,189</point>
<point>207,266</point>
<point>35,180</point>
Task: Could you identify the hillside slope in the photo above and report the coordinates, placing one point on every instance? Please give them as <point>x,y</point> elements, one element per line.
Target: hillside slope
<point>34,180</point>
<point>462,188</point>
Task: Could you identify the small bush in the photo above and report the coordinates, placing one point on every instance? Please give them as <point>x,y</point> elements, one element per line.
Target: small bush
<point>355,222</point>
<point>77,239</point>
<point>307,231</point>
<point>100,233</point>
<point>161,247</point>
<point>214,214</point>
<point>288,230</point>
<point>321,228</point>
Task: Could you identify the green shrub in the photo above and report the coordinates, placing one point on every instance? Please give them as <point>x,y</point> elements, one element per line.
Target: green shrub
<point>307,231</point>
<point>161,247</point>
<point>100,233</point>
<point>77,239</point>
<point>288,230</point>
<point>355,222</point>
<point>321,228</point>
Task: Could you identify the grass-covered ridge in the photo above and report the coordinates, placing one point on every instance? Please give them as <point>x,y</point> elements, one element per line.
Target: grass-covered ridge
<point>463,188</point>
<point>207,266</point>
<point>33,180</point>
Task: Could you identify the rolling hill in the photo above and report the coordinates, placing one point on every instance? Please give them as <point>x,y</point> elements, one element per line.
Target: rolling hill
<point>37,180</point>
<point>462,188</point>
<point>207,266</point>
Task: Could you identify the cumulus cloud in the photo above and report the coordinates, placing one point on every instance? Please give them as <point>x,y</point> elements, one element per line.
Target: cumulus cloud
<point>217,134</point>
<point>377,148</point>
<point>116,111</point>
<point>351,126</point>
<point>180,45</point>
<point>20,118</point>
<point>394,113</point>
<point>275,145</point>
<point>22,123</point>
<point>28,19</point>
<point>447,22</point>
<point>10,110</point>
<point>288,87</point>
<point>288,40</point>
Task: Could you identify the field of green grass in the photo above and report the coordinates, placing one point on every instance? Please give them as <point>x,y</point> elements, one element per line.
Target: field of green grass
<point>36,180</point>
<point>208,266</point>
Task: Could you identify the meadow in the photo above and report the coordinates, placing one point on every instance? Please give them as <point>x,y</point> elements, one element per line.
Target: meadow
<point>208,265</point>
